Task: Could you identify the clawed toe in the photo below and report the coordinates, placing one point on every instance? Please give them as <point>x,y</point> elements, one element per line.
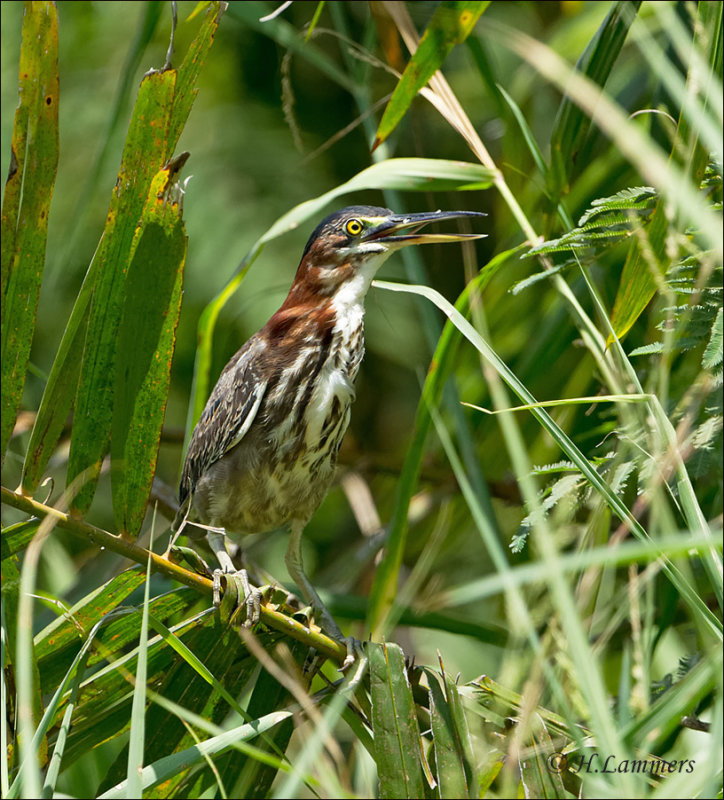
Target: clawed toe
<point>253,605</point>
<point>243,593</point>
<point>354,651</point>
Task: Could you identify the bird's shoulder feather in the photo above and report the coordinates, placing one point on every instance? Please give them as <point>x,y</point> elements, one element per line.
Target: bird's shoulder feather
<point>228,414</point>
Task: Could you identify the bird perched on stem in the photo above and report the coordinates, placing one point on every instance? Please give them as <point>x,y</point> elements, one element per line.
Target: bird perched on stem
<point>263,452</point>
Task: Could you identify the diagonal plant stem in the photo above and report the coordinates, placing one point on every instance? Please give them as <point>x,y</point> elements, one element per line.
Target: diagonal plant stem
<point>310,635</point>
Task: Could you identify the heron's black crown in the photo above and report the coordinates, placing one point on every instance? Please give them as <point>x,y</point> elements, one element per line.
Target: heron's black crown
<point>334,223</point>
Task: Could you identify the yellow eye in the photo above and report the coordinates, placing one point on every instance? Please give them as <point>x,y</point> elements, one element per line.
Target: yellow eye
<point>353,227</point>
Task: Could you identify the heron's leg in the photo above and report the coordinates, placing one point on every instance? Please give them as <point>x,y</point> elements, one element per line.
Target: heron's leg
<point>252,596</point>
<point>217,542</point>
<point>295,567</point>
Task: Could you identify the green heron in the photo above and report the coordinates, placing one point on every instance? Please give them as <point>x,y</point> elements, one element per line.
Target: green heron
<point>263,452</point>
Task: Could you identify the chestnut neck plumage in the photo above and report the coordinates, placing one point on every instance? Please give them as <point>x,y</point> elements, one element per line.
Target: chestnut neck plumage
<point>328,291</point>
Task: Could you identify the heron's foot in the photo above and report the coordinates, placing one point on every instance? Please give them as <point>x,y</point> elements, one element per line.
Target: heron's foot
<point>243,594</point>
<point>355,651</point>
<point>354,646</point>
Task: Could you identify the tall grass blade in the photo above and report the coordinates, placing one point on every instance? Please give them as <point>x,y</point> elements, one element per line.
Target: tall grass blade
<point>26,202</point>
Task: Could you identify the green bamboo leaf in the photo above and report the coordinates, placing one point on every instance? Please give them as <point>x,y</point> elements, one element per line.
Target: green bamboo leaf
<point>26,202</point>
<point>572,124</point>
<point>394,722</point>
<point>170,766</point>
<point>15,538</point>
<point>72,677</point>
<point>144,155</point>
<point>59,641</point>
<point>145,345</point>
<point>63,381</point>
<point>249,771</point>
<point>60,389</point>
<point>406,174</point>
<point>248,776</point>
<point>218,646</point>
<point>451,24</point>
<point>452,768</point>
<point>104,708</point>
<point>536,775</point>
<point>128,82</point>
<point>73,626</point>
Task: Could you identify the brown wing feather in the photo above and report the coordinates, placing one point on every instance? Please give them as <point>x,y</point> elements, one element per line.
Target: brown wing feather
<point>229,412</point>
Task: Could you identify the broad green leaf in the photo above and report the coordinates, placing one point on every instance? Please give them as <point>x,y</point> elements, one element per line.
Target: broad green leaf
<point>451,769</point>
<point>394,723</point>
<point>62,384</point>
<point>149,16</point>
<point>72,677</point>
<point>572,123</point>
<point>451,24</point>
<point>403,174</point>
<point>60,389</point>
<point>170,766</point>
<point>105,702</point>
<point>26,201</point>
<point>116,635</point>
<point>247,776</point>
<point>73,626</point>
<point>406,174</point>
<point>536,774</point>
<point>144,155</point>
<point>460,722</point>
<point>145,345</point>
<point>218,646</point>
<point>384,587</point>
<point>15,538</point>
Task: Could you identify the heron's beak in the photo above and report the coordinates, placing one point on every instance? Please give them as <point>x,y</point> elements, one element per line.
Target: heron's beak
<point>401,230</point>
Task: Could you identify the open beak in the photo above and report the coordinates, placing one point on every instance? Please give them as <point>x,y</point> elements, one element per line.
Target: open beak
<point>403,229</point>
